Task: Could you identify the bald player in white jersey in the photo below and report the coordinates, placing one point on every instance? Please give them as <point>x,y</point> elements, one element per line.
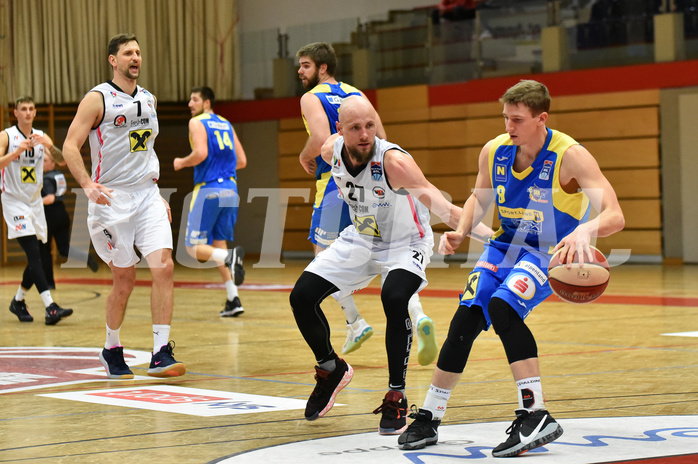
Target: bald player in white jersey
<point>22,152</point>
<point>125,208</point>
<point>388,198</point>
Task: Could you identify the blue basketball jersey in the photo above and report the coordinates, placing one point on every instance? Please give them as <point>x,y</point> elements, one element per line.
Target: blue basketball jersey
<point>534,210</point>
<point>331,96</point>
<point>221,160</point>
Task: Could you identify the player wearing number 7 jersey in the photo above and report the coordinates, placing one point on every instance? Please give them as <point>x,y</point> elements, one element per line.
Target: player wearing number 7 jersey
<point>125,209</point>
<point>216,156</point>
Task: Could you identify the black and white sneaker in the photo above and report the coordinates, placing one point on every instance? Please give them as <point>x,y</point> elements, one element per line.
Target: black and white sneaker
<point>528,431</point>
<point>232,308</point>
<point>19,309</point>
<point>55,313</point>
<point>420,433</point>
<point>234,263</point>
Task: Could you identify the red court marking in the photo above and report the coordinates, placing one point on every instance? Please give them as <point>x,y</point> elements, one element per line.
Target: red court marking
<point>637,300</point>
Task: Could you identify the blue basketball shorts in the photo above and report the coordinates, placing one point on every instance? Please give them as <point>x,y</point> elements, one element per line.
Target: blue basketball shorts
<point>512,273</point>
<point>213,212</point>
<point>330,213</point>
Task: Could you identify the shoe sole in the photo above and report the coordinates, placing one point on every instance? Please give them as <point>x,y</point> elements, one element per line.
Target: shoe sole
<point>392,431</point>
<point>175,370</point>
<point>415,445</point>
<point>427,349</point>
<point>110,375</point>
<point>233,313</point>
<point>365,335</point>
<point>346,378</point>
<point>237,269</point>
<point>544,440</point>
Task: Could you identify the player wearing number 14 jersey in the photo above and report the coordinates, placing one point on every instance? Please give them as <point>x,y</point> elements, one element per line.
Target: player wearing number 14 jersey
<point>216,156</point>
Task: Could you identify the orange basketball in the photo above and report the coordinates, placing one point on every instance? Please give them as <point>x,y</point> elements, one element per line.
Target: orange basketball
<point>579,284</point>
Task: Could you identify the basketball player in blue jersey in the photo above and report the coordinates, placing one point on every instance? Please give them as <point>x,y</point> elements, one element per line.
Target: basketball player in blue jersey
<point>319,108</point>
<point>543,182</point>
<point>216,156</point>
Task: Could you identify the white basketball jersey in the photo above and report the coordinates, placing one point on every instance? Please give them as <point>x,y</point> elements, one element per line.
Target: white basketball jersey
<point>122,144</point>
<point>22,178</point>
<point>380,214</point>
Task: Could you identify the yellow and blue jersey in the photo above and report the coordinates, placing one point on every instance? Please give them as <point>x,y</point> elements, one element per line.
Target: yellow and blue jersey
<point>533,208</point>
<point>222,159</point>
<point>331,96</point>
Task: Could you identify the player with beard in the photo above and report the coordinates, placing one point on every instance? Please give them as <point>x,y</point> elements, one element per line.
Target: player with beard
<point>216,156</point>
<point>319,108</point>
<point>390,236</point>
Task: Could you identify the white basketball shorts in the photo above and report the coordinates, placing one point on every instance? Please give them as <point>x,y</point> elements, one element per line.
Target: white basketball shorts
<point>135,218</point>
<point>22,219</point>
<point>351,262</point>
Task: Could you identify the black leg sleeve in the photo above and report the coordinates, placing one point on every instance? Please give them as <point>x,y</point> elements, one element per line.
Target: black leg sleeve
<point>305,299</point>
<point>34,273</point>
<point>398,288</point>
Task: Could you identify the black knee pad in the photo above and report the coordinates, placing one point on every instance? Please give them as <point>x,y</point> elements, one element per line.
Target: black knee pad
<point>465,326</point>
<point>516,337</point>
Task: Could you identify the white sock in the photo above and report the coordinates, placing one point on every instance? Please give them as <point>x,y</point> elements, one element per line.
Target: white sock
<point>46,298</point>
<point>219,255</point>
<point>530,394</point>
<point>436,401</point>
<point>112,338</point>
<point>21,294</point>
<point>161,335</point>
<point>414,306</point>
<point>351,312</point>
<point>231,289</point>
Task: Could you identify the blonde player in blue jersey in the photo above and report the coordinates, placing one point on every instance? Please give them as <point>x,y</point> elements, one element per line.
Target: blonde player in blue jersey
<point>216,156</point>
<point>543,182</point>
<point>319,107</point>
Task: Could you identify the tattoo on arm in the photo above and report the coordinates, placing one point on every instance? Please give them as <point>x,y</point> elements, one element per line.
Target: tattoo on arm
<point>56,154</point>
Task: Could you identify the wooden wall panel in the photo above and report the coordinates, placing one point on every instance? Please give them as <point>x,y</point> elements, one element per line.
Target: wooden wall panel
<point>625,153</point>
<point>608,124</point>
<point>635,183</point>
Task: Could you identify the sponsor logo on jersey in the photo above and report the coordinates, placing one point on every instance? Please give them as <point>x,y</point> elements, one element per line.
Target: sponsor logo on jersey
<point>336,162</point>
<point>379,192</point>
<point>523,213</point>
<point>117,105</point>
<point>538,194</point>
<point>113,94</point>
<point>120,121</point>
<point>28,175</point>
<point>488,266</point>
<point>20,227</point>
<point>545,172</point>
<point>140,122</point>
<point>534,270</point>
<point>382,205</point>
<point>18,218</point>
<point>471,286</point>
<point>335,99</point>
<point>366,225</point>
<point>376,171</point>
<point>500,172</point>
<point>138,139</point>
<point>522,285</point>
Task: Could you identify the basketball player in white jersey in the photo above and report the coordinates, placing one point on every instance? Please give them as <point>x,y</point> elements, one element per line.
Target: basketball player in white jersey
<point>125,207</point>
<point>388,197</point>
<point>23,149</point>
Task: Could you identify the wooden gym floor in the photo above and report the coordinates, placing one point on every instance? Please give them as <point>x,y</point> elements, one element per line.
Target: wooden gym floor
<point>612,358</point>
